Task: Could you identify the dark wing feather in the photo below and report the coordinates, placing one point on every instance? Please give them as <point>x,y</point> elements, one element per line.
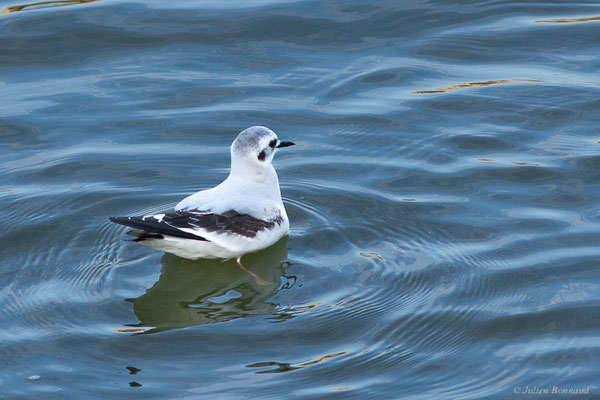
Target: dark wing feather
<point>228,222</point>
<point>152,225</point>
<point>232,222</point>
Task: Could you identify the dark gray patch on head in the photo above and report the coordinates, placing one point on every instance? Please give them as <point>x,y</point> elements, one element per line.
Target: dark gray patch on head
<point>249,139</point>
<point>262,155</point>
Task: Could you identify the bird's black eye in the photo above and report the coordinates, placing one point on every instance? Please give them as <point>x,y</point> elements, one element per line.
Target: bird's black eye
<point>262,155</point>
<point>272,143</point>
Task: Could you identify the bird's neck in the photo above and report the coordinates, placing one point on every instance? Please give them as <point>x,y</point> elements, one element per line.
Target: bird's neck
<point>264,178</point>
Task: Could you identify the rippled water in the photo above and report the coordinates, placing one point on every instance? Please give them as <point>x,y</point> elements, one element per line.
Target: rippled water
<point>443,198</point>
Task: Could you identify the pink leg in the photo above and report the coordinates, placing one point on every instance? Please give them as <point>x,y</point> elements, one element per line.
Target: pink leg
<point>257,278</point>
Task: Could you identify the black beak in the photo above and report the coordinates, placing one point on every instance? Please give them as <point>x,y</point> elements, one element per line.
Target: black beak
<point>285,144</point>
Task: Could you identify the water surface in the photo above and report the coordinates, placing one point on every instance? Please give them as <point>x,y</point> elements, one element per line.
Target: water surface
<point>443,197</point>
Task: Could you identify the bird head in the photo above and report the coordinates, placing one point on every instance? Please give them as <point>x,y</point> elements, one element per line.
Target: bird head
<point>255,148</point>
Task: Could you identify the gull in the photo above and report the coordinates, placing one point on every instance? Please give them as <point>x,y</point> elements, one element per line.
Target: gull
<point>241,215</point>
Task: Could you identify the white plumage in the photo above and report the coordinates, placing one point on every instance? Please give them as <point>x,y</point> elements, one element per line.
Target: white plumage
<point>242,214</point>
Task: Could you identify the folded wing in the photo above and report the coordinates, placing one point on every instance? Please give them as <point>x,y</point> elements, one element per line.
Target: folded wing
<point>196,224</point>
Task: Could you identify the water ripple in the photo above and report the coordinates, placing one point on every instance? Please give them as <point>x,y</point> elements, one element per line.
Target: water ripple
<point>44,4</point>
<point>443,242</point>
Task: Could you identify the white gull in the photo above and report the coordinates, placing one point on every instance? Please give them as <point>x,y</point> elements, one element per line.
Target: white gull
<point>242,214</point>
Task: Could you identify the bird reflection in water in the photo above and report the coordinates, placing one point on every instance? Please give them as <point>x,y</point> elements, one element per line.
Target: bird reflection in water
<point>190,293</point>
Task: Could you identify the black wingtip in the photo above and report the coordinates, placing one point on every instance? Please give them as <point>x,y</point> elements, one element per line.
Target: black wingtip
<point>120,220</point>
<point>147,236</point>
<point>124,221</point>
<point>154,226</point>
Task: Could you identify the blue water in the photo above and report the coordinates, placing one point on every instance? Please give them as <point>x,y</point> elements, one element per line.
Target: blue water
<point>443,195</point>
